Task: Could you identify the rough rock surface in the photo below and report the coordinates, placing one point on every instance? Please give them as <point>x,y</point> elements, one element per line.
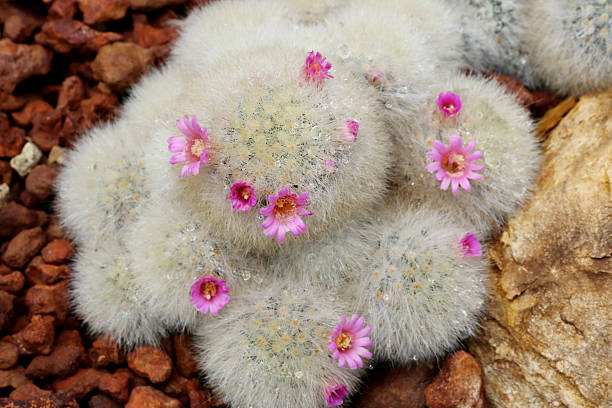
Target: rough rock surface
<point>19,61</point>
<point>121,64</point>
<point>546,341</point>
<point>458,384</point>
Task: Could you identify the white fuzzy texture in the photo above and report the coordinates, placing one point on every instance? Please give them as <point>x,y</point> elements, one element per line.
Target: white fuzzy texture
<point>269,348</point>
<point>268,129</point>
<point>171,248</point>
<point>419,293</point>
<point>492,32</point>
<point>107,298</point>
<point>503,133</point>
<point>570,44</point>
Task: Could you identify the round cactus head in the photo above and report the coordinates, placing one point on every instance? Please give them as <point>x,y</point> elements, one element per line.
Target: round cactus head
<point>274,143</point>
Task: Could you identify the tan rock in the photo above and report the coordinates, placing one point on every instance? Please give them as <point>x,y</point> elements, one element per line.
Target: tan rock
<point>546,341</point>
<point>121,64</point>
<point>458,384</point>
<point>20,61</point>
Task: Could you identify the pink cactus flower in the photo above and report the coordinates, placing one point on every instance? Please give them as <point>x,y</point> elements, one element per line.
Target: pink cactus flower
<point>330,166</point>
<point>334,394</point>
<point>348,131</point>
<point>209,294</point>
<point>316,68</point>
<point>470,246</point>
<point>242,197</point>
<point>348,342</point>
<point>454,164</point>
<point>376,77</point>
<point>283,214</point>
<point>191,149</point>
<point>449,104</point>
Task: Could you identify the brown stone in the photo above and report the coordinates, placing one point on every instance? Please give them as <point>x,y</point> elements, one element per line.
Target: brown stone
<point>102,401</point>
<point>63,361</point>
<point>98,11</point>
<point>146,396</point>
<point>6,307</point>
<point>176,385</point>
<point>57,251</point>
<point>13,378</point>
<point>28,391</point>
<point>36,338</point>
<point>79,384</point>
<point>147,35</point>
<point>12,282</point>
<point>41,299</point>
<point>24,246</point>
<point>116,385</point>
<point>184,355</point>
<point>121,64</point>
<point>554,116</point>
<point>15,218</point>
<point>45,274</point>
<point>150,362</point>
<point>104,351</point>
<point>25,116</point>
<point>198,398</point>
<point>40,183</point>
<point>20,61</point>
<point>515,88</point>
<point>546,340</point>
<point>71,94</point>
<point>9,354</point>
<point>11,141</point>
<point>458,384</point>
<point>10,102</point>
<point>63,35</point>
<point>46,129</point>
<point>44,401</point>
<point>153,4</point>
<point>63,9</point>
<point>6,175</point>
<point>54,230</point>
<point>19,24</point>
<point>388,387</point>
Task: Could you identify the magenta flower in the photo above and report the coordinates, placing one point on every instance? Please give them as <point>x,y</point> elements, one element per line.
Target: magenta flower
<point>192,148</point>
<point>330,166</point>
<point>316,68</point>
<point>242,197</point>
<point>335,394</point>
<point>283,214</point>
<point>348,132</point>
<point>454,164</point>
<point>348,342</point>
<point>209,294</point>
<point>470,246</point>
<point>449,104</point>
<point>375,77</point>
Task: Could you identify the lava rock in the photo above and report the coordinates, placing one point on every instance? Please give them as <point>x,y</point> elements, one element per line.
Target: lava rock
<point>121,64</point>
<point>15,218</point>
<point>12,282</point>
<point>6,307</point>
<point>24,246</point>
<point>80,384</point>
<point>9,354</point>
<point>98,11</point>
<point>149,397</point>
<point>116,385</point>
<point>40,183</point>
<point>458,384</point>
<point>71,94</point>
<point>184,356</point>
<point>36,338</point>
<point>150,362</point>
<point>11,140</point>
<point>64,35</point>
<point>105,351</point>
<point>26,115</point>
<point>21,61</point>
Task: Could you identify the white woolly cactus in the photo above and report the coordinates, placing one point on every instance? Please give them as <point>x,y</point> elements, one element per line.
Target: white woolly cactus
<point>423,289</point>
<point>107,297</point>
<point>274,348</point>
<point>270,185</point>
<point>570,44</point>
<point>492,32</point>
<point>486,117</point>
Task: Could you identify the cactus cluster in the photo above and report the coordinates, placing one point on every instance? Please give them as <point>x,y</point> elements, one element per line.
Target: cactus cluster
<point>308,186</point>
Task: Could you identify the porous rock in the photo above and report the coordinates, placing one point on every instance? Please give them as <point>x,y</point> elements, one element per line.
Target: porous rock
<point>546,340</point>
<point>121,64</point>
<point>21,61</point>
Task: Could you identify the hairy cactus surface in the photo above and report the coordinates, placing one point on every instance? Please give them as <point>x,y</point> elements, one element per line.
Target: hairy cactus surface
<point>309,186</point>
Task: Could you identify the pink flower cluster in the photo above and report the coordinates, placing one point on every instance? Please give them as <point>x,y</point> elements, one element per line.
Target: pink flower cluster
<point>316,68</point>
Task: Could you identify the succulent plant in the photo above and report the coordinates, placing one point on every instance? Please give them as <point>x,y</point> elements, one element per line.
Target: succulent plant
<point>304,200</point>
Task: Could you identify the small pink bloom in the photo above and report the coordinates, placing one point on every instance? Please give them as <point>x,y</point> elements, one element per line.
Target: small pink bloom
<point>283,214</point>
<point>376,77</point>
<point>209,294</point>
<point>348,132</point>
<point>242,197</point>
<point>192,148</point>
<point>316,68</point>
<point>335,394</point>
<point>348,342</point>
<point>470,246</point>
<point>330,166</point>
<point>454,164</point>
<point>449,103</point>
